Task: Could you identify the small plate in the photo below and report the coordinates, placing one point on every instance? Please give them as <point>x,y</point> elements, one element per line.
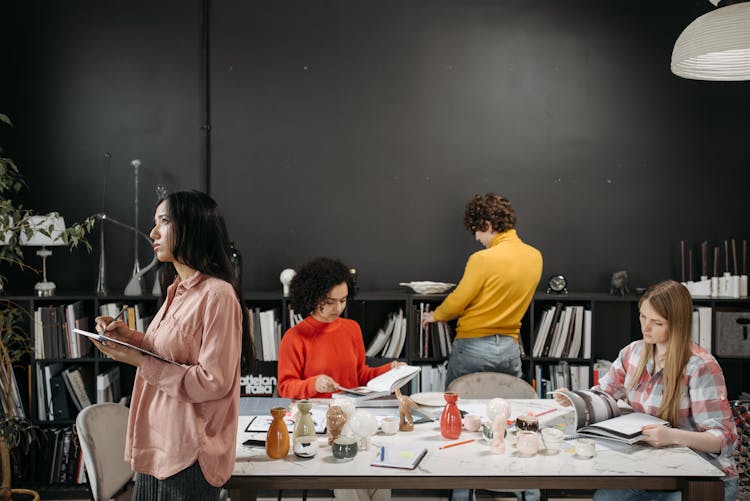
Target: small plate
<point>429,399</point>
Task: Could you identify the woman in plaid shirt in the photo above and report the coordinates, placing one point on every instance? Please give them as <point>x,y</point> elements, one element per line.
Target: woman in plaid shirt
<point>668,376</point>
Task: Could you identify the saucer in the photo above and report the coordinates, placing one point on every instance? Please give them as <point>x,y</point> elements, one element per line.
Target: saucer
<point>429,399</point>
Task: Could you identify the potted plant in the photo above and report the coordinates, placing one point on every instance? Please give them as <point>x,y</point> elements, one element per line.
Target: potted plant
<point>17,433</point>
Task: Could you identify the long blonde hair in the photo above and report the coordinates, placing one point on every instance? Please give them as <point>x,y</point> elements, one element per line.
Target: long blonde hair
<point>672,301</point>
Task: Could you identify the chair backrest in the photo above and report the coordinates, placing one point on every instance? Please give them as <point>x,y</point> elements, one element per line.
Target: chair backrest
<point>491,385</point>
<point>101,432</point>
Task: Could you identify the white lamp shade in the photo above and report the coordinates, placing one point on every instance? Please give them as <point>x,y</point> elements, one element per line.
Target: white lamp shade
<point>716,46</point>
<point>52,224</point>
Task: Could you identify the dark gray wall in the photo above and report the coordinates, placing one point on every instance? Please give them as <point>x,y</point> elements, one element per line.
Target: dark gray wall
<point>360,129</point>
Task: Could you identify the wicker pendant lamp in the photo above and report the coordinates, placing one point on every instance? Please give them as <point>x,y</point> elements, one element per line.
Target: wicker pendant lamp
<point>716,46</point>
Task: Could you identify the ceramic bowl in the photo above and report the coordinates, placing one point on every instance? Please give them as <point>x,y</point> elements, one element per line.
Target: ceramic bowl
<point>389,425</point>
<point>344,448</point>
<point>427,287</point>
<point>306,446</point>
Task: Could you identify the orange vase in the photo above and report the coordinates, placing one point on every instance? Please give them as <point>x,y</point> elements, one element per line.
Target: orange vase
<point>277,440</point>
<point>450,419</point>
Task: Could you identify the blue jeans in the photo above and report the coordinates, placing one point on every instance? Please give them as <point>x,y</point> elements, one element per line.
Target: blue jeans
<point>730,493</point>
<point>496,353</point>
<point>464,495</point>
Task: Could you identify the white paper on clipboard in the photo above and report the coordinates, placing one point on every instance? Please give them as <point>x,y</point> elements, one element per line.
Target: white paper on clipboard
<point>100,337</point>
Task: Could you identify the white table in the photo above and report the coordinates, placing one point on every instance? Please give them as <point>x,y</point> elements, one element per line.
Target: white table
<point>473,465</point>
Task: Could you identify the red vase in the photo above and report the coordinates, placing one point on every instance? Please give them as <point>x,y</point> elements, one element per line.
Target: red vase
<point>277,440</point>
<point>450,419</point>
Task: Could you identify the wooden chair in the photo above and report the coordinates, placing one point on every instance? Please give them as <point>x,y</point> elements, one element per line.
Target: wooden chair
<point>491,385</point>
<point>101,433</point>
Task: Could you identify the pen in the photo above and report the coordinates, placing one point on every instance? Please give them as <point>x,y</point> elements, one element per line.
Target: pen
<point>456,443</point>
<point>382,453</point>
<point>114,319</point>
<point>544,412</point>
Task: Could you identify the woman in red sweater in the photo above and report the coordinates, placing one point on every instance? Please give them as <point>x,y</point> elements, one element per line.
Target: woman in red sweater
<point>324,351</point>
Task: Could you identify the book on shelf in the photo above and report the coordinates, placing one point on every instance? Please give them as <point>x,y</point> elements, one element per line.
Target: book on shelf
<point>386,383</point>
<point>402,457</point>
<point>598,416</point>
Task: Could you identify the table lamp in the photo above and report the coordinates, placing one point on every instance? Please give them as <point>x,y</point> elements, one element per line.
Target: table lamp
<point>45,232</point>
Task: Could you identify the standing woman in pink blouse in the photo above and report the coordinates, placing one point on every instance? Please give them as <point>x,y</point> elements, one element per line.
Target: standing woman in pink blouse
<point>183,416</point>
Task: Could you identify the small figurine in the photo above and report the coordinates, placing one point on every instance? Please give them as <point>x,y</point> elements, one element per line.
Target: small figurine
<point>620,283</point>
<point>498,433</point>
<point>335,420</point>
<point>405,404</point>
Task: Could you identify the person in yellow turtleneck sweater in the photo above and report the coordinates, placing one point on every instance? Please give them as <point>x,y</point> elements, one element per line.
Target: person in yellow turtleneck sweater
<point>493,294</point>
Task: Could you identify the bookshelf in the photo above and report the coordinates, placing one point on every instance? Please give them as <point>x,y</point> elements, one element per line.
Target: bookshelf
<point>614,323</point>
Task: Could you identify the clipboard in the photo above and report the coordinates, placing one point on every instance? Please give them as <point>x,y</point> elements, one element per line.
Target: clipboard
<point>102,338</point>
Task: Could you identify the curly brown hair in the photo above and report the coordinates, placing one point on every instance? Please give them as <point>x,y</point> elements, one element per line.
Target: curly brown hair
<point>489,208</point>
<point>314,279</point>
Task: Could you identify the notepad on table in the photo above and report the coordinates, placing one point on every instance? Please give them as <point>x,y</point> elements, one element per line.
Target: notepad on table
<point>405,458</point>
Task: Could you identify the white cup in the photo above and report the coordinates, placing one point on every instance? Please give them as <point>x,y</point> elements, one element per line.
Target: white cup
<point>585,448</point>
<point>527,443</point>
<point>389,425</point>
<point>472,422</point>
<point>552,438</point>
<point>306,447</point>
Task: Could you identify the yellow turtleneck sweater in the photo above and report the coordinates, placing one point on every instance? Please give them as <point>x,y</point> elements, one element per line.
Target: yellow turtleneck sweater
<point>496,289</point>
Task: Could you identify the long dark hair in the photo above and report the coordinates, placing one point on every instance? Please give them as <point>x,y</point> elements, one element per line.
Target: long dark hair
<point>201,241</point>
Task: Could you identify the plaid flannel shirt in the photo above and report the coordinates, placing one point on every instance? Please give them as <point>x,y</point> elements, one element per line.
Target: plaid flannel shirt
<point>703,405</point>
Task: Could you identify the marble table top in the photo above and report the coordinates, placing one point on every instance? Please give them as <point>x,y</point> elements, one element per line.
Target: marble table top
<point>476,458</point>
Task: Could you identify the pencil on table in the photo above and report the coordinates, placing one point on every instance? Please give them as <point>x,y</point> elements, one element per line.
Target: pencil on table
<point>456,443</point>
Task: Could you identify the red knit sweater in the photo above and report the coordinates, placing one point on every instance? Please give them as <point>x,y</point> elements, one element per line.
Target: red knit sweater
<point>312,348</point>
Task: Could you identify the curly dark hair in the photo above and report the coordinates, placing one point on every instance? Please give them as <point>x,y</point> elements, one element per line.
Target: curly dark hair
<point>314,279</point>
<point>489,208</point>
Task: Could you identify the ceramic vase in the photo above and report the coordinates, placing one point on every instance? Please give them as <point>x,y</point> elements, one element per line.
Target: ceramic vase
<point>304,426</point>
<point>277,440</point>
<point>450,419</point>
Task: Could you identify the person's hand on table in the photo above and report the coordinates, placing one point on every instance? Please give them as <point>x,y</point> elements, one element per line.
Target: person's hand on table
<point>658,435</point>
<point>395,364</point>
<point>325,384</point>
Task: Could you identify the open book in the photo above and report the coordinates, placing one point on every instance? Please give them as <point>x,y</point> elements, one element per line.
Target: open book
<point>384,384</point>
<point>102,338</point>
<point>598,416</point>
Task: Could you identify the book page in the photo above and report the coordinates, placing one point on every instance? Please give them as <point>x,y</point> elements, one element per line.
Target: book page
<point>394,378</point>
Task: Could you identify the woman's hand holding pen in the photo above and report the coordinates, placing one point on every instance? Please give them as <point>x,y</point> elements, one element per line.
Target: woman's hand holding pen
<point>117,329</point>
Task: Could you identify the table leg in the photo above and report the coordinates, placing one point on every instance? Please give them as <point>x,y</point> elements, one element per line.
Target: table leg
<point>700,489</point>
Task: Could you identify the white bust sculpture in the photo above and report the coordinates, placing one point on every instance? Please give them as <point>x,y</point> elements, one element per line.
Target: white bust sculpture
<point>286,278</point>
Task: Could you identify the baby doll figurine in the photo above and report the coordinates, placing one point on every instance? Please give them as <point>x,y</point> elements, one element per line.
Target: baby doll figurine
<point>498,433</point>
<point>405,404</point>
<point>335,420</point>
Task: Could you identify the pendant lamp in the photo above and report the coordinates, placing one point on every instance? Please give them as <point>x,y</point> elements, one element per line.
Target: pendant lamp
<point>716,46</point>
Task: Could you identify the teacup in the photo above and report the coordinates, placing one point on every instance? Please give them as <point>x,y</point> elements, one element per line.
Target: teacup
<point>585,448</point>
<point>527,423</point>
<point>527,443</point>
<point>389,425</point>
<point>344,448</point>
<point>472,422</point>
<point>306,446</point>
<point>552,438</point>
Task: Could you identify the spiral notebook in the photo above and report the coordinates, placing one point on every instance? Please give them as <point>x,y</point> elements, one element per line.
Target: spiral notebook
<point>405,458</point>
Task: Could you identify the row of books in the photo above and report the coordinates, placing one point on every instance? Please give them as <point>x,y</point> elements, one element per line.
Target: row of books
<point>63,390</point>
<point>389,341</point>
<point>564,332</point>
<point>701,328</point>
<point>58,460</point>
<point>430,379</point>
<point>53,327</point>
<point>265,329</point>
<point>563,375</point>
<point>435,338</point>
